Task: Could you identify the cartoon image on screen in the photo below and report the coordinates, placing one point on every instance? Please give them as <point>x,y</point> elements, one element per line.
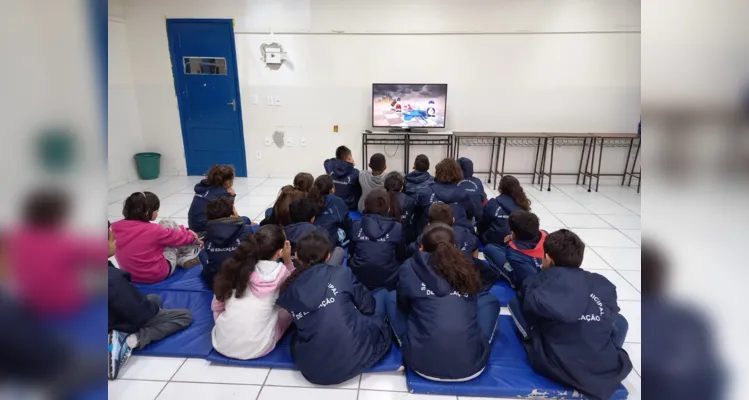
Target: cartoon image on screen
<point>409,105</point>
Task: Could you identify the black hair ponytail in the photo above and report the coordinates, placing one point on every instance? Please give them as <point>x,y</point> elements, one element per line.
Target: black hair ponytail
<point>394,183</point>
<point>320,189</point>
<point>448,261</point>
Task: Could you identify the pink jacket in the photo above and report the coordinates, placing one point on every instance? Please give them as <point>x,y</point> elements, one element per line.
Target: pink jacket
<point>140,248</point>
<point>263,282</point>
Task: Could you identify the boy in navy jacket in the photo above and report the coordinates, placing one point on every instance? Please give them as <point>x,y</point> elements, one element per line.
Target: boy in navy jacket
<point>376,245</point>
<point>465,240</point>
<point>419,178</point>
<point>134,319</point>
<point>345,176</point>
<point>570,322</point>
<point>470,183</point>
<point>522,256</point>
<point>302,212</point>
<point>224,233</point>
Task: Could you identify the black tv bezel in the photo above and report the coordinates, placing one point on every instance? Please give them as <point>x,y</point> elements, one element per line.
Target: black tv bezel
<point>444,122</point>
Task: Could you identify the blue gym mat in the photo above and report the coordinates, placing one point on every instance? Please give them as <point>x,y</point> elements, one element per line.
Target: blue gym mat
<point>195,341</point>
<point>355,215</point>
<point>280,357</point>
<point>503,291</point>
<point>508,374</point>
<point>184,280</point>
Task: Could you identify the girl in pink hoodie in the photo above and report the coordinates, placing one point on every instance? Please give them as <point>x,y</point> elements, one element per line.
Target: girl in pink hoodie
<point>150,252</point>
<point>248,322</point>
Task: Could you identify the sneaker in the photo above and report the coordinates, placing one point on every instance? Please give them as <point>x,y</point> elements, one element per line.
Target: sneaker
<point>119,353</point>
<point>191,262</point>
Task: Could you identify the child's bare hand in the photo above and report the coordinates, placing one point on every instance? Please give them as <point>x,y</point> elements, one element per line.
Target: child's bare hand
<point>508,238</point>
<point>286,254</point>
<point>231,191</point>
<point>195,235</point>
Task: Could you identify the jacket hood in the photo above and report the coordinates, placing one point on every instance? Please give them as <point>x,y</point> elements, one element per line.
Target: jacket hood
<point>309,289</point>
<point>202,187</point>
<point>223,231</point>
<point>418,177</point>
<point>449,193</point>
<point>565,293</point>
<point>507,202</point>
<point>338,168</point>
<point>533,248</point>
<point>369,181</point>
<point>299,229</point>
<point>376,226</point>
<point>467,166</point>
<point>429,277</point>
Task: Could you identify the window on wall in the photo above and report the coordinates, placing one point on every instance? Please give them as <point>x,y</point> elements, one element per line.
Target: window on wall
<point>204,65</point>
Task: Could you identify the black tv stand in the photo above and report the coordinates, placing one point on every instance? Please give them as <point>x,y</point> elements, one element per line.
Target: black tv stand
<point>409,130</point>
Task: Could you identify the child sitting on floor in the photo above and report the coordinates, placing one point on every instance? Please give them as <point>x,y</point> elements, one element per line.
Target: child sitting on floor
<point>401,205</point>
<point>151,252</point>
<point>376,247</point>
<point>419,178</point>
<point>332,213</point>
<point>248,322</point>
<point>302,213</point>
<point>225,232</point>
<point>570,322</point>
<point>135,320</point>
<point>218,182</point>
<point>445,189</point>
<point>341,328</point>
<point>442,322</point>
<point>345,176</point>
<point>522,256</point>
<point>465,240</point>
<point>494,226</point>
<point>279,213</point>
<point>373,178</point>
<point>470,183</point>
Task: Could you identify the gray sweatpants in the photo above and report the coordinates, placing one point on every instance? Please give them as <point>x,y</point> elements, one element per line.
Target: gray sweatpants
<point>177,256</point>
<point>336,256</point>
<point>163,324</point>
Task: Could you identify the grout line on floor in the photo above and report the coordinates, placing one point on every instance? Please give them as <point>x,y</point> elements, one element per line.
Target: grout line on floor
<point>170,379</point>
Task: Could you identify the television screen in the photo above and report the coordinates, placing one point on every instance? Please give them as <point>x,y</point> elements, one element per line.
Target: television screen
<point>409,105</point>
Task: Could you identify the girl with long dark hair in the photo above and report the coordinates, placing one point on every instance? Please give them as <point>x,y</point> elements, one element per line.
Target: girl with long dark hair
<point>332,212</point>
<point>402,205</point>
<point>494,226</point>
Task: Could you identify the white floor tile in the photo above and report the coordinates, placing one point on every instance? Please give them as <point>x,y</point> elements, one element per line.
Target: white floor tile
<point>151,368</point>
<point>207,391</point>
<point>552,228</point>
<point>634,278</point>
<point>608,207</point>
<point>565,207</point>
<point>265,190</point>
<point>115,210</point>
<point>285,377</point>
<point>620,258</point>
<point>249,182</point>
<point>121,389</point>
<point>624,290</point>
<point>549,219</point>
<point>633,383</point>
<point>278,182</point>
<point>623,221</point>
<point>389,381</point>
<point>582,221</point>
<point>634,234</point>
<point>591,261</point>
<point>373,395</point>
<point>635,355</point>
<point>631,311</point>
<point>182,213</point>
<point>255,200</point>
<point>197,370</point>
<point>287,393</point>
<point>604,238</point>
<point>545,196</point>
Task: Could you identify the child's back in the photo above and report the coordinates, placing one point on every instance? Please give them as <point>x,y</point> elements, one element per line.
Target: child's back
<point>332,211</point>
<point>522,257</point>
<point>345,177</point>
<point>338,333</point>
<point>222,238</point>
<point>419,178</point>
<point>470,183</point>
<point>218,179</point>
<point>373,178</point>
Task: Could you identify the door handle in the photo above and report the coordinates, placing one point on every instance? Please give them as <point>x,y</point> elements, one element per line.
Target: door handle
<point>233,104</point>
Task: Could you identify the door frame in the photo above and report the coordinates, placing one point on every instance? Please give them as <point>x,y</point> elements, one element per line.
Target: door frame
<point>241,170</point>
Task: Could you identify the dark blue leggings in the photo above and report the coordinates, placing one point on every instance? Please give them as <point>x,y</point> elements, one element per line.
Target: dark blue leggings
<point>618,334</point>
<point>488,313</point>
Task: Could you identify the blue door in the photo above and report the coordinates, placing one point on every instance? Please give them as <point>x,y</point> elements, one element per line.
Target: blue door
<point>204,65</point>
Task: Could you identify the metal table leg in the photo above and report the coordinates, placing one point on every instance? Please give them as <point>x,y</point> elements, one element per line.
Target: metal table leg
<point>600,160</point>
<point>593,161</point>
<point>504,153</point>
<point>632,171</point>
<point>491,159</point>
<point>580,167</point>
<point>406,150</point>
<point>543,165</point>
<point>551,165</point>
<point>364,145</point>
<point>535,163</point>
<point>496,162</point>
<point>626,162</point>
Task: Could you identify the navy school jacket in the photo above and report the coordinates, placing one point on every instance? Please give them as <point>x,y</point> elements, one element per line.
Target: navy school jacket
<point>196,218</point>
<point>333,216</point>
<point>408,207</point>
<point>337,333</point>
<point>346,181</point>
<point>129,309</point>
<point>495,224</point>
<point>464,206</point>
<point>416,181</point>
<point>571,312</point>
<point>443,338</point>
<point>465,240</point>
<point>522,258</point>
<point>294,232</point>
<point>470,183</point>
<point>222,237</point>
<point>376,250</point>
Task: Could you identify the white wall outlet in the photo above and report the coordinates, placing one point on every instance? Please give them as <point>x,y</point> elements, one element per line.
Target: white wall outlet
<point>278,101</point>
<point>259,155</point>
<point>289,142</point>
<point>267,141</point>
<point>270,100</point>
<point>255,99</point>
<point>303,142</point>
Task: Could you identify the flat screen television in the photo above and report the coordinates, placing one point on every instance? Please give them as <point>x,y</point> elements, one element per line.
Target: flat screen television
<point>410,105</point>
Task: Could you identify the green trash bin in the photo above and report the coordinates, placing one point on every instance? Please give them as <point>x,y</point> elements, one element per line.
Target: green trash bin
<point>148,164</point>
